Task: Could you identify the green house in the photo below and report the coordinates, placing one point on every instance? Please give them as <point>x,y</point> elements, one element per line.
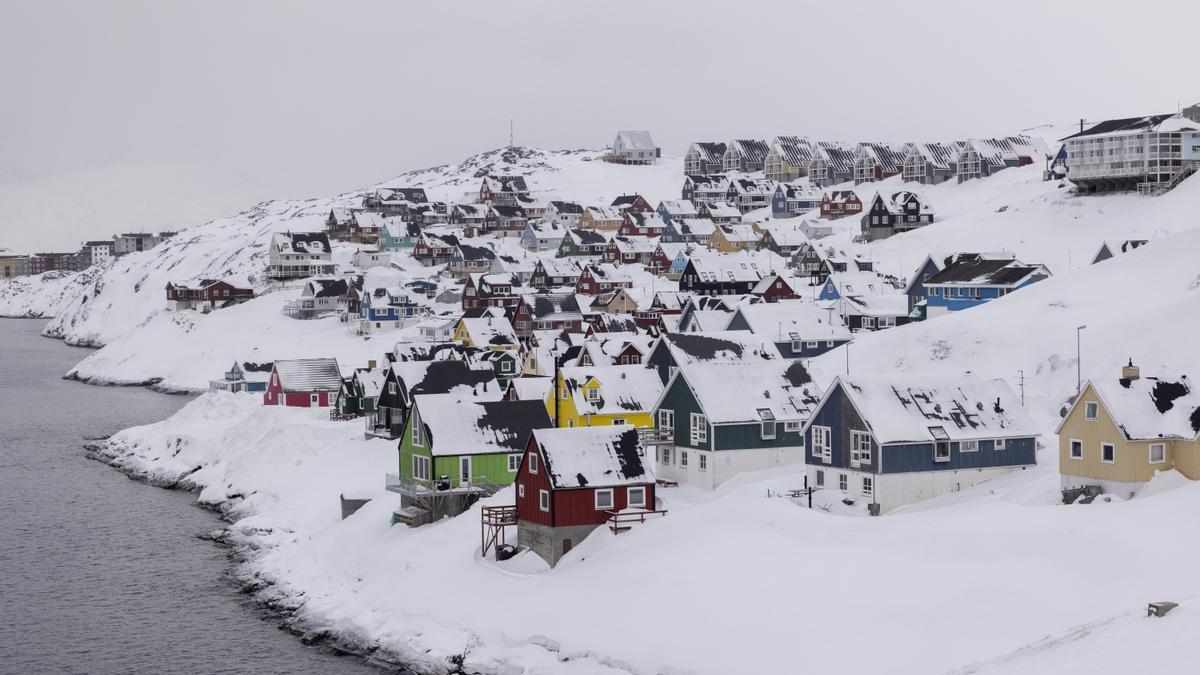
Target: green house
<point>359,394</point>
<point>396,235</point>
<point>456,448</point>
<point>729,419</point>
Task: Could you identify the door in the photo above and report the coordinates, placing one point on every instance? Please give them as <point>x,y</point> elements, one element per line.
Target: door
<point>464,470</point>
<point>566,546</point>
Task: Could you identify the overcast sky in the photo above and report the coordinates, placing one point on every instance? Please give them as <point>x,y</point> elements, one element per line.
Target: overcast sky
<point>302,99</point>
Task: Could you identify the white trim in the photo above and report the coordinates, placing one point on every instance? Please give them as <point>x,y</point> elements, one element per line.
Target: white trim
<point>1150,453</point>
<point>824,450</point>
<point>968,446</point>
<point>596,499</point>
<point>517,456</point>
<point>544,500</point>
<point>1113,446</point>
<point>999,444</point>
<point>1086,416</point>
<point>533,462</point>
<point>470,469</point>
<point>1071,448</point>
<point>936,446</point>
<point>521,490</point>
<point>629,491</point>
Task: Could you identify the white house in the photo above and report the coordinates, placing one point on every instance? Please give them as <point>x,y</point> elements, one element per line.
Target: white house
<point>635,147</point>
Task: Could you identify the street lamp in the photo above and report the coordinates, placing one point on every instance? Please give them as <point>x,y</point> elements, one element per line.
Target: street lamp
<point>1078,361</point>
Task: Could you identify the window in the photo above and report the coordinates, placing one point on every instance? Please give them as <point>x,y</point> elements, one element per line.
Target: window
<point>514,462</point>
<point>666,456</point>
<point>604,499</point>
<point>968,446</point>
<point>703,465</point>
<point>998,443</point>
<point>683,458</point>
<point>544,500</point>
<point>843,482</point>
<point>941,451</point>
<point>1076,451</point>
<point>506,366</point>
<point>564,394</point>
<point>811,344</point>
<point>666,420</point>
<point>416,431</point>
<point>821,443</point>
<point>316,399</point>
<point>794,425</point>
<point>1108,453</point>
<point>617,421</point>
<point>797,345</point>
<point>820,478</point>
<point>636,497</point>
<point>868,486</point>
<point>860,448</point>
<point>1091,411</point>
<point>768,429</point>
<point>1158,453</point>
<point>533,462</point>
<point>699,430</point>
<point>521,490</point>
<point>420,467</point>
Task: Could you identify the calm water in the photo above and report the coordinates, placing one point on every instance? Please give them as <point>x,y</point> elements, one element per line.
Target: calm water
<point>100,573</point>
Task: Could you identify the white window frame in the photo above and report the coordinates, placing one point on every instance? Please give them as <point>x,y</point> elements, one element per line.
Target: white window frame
<point>533,463</point>
<point>1000,444</point>
<point>421,468</point>
<point>1071,444</point>
<point>763,430</point>
<point>593,394</point>
<point>544,500</point>
<point>417,440</point>
<point>702,461</point>
<point>868,486</point>
<point>521,490</point>
<point>968,446</point>
<point>1111,446</point>
<point>820,478</point>
<point>937,445</point>
<point>683,458</point>
<point>665,456</point>
<point>1091,411</point>
<point>315,400</point>
<point>792,426</point>
<point>822,443</point>
<point>666,419</point>
<point>612,504</point>
<point>513,467</point>
<point>641,501</point>
<point>699,429</point>
<point>859,454</point>
<point>843,482</point>
<point>1162,456</point>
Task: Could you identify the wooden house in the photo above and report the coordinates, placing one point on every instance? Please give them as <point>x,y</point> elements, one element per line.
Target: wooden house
<point>503,190</point>
<point>641,224</point>
<point>673,350</point>
<point>914,290</point>
<point>489,290</point>
<point>543,235</point>
<point>664,303</point>
<point>664,256</point>
<point>603,395</point>
<point>614,302</point>
<point>635,147</point>
<point>839,204</point>
<point>1120,432</point>
<point>441,374</point>
<point>832,163</point>
<point>633,202</point>
<point>783,239</point>
<point>571,481</point>
<point>688,231</point>
<point>389,307</point>
<point>566,214</point>
<point>773,288</point>
<point>750,194</point>
<point>671,209</point>
<point>931,163</point>
<point>734,237</point>
<point>206,295</point>
<point>547,311</point>
<point>393,200</point>
<point>337,223</point>
<point>603,218</point>
<point>615,349</point>
<point>238,380</point>
<point>982,157</point>
<point>597,279</point>
<point>876,161</point>
<point>744,155</point>
<point>711,188</point>
<point>790,200</point>
<point>487,332</point>
<point>555,273</point>
<point>703,158</point>
<point>720,212</point>
<point>901,211</point>
<point>432,249</point>
<point>466,259</point>
<point>629,250</point>
<point>469,216</point>
<point>303,383</point>
<point>397,235</point>
<point>889,441</point>
<point>579,242</point>
<point>319,297</point>
<point>720,275</point>
<point>360,392</point>
<point>728,419</point>
<point>296,255</point>
<point>504,220</point>
<point>972,279</point>
<point>797,328</point>
<point>788,158</point>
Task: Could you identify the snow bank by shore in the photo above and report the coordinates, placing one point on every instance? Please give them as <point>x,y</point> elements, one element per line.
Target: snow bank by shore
<point>731,581</point>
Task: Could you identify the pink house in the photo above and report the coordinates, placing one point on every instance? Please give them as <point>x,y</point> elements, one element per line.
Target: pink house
<point>303,383</point>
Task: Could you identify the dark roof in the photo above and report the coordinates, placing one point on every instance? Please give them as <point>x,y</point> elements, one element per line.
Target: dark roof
<point>1124,124</point>
<point>310,242</point>
<point>567,207</point>
<point>625,200</point>
<point>514,421</point>
<point>554,303</point>
<point>476,252</point>
<point>442,376</point>
<point>509,211</point>
<point>329,288</point>
<point>590,237</point>
<point>972,268</point>
<point>753,151</point>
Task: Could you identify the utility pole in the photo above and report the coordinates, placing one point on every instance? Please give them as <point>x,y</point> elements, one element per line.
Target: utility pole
<point>1022,381</point>
<point>510,132</point>
<point>1078,360</point>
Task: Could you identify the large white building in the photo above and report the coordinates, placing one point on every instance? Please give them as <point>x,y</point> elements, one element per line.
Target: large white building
<point>1150,154</point>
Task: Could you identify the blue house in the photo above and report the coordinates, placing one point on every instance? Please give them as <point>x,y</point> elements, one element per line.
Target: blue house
<point>971,279</point>
<point>382,308</point>
<point>799,329</point>
<point>915,290</point>
<point>888,441</point>
<point>236,380</point>
<point>790,200</point>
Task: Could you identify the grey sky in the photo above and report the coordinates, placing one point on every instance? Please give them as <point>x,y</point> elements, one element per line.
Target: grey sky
<point>311,98</point>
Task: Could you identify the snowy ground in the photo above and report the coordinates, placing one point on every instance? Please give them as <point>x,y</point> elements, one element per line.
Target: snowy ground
<point>997,579</point>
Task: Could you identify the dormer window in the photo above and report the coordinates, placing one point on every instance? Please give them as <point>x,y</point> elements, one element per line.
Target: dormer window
<point>1091,411</point>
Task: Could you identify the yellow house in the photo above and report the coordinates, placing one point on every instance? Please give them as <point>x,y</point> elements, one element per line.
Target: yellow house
<point>1120,432</point>
<point>487,332</point>
<point>734,237</point>
<point>600,218</point>
<point>592,396</point>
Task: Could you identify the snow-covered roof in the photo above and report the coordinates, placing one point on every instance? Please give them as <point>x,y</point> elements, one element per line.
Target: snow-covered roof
<point>697,227</point>
<point>714,182</point>
<point>737,232</point>
<point>531,388</point>
<point>633,245</point>
<point>731,394</point>
<point>325,288</point>
<point>604,347</point>
<point>732,347</point>
<point>490,331</point>
<point>751,150</point>
<point>722,210</point>
<point>594,456</point>
<point>636,140</point>
<point>896,202</point>
<point>371,380</point>
<point>1152,407</point>
<point>999,151</point>
<point>560,267</point>
<point>460,377</point>
<point>603,213</point>
<point>888,156</point>
<point>837,154</point>
<point>711,152</point>
<point>623,389</point>
<point>940,155</point>
<point>1137,125</point>
<point>789,320</point>
<point>795,151</point>
<point>547,228</point>
<point>910,408</point>
<point>547,306</point>
<point>457,425</point>
<point>564,207</point>
<point>682,208</point>
<point>714,268</point>
<point>301,242</point>
<point>305,375</point>
<point>975,269</point>
<point>881,304</point>
<point>753,186</point>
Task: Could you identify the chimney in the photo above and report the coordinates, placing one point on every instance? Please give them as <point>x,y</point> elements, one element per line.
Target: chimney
<point>1130,373</point>
<point>371,364</point>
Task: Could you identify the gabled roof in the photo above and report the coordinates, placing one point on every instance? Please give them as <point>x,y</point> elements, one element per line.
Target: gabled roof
<point>709,151</point>
<point>789,320</point>
<point>683,208</point>
<point>469,252</point>
<point>636,140</point>
<point>997,152</point>
<point>625,200</point>
<point>914,409</point>
<point>301,242</point>
<point>603,213</point>
<point>896,202</point>
<point>560,267</point>
<point>753,186</point>
<point>733,347</point>
<point>506,183</point>
<point>698,227</point>
<point>712,269</point>
<point>795,151</point>
<point>939,155</point>
<point>325,288</point>
<point>594,456</point>
<point>587,237</point>
<point>888,156</point>
<point>714,182</point>
<point>566,207</point>
<point>490,331</point>
<point>751,150</point>
<point>445,376</point>
<point>464,426</point>
<point>742,393</point>
<point>738,232</point>
<point>531,387</point>
<point>1151,407</point>
<point>623,389</point>
<point>1125,125</point>
<point>307,375</point>
<point>974,269</point>
<point>553,306</point>
<point>837,154</point>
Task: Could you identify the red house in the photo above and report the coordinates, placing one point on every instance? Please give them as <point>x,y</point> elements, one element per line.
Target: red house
<point>207,294</point>
<point>571,481</point>
<point>840,203</point>
<point>774,288</point>
<point>641,224</point>
<point>597,279</point>
<point>634,202</point>
<point>303,383</point>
